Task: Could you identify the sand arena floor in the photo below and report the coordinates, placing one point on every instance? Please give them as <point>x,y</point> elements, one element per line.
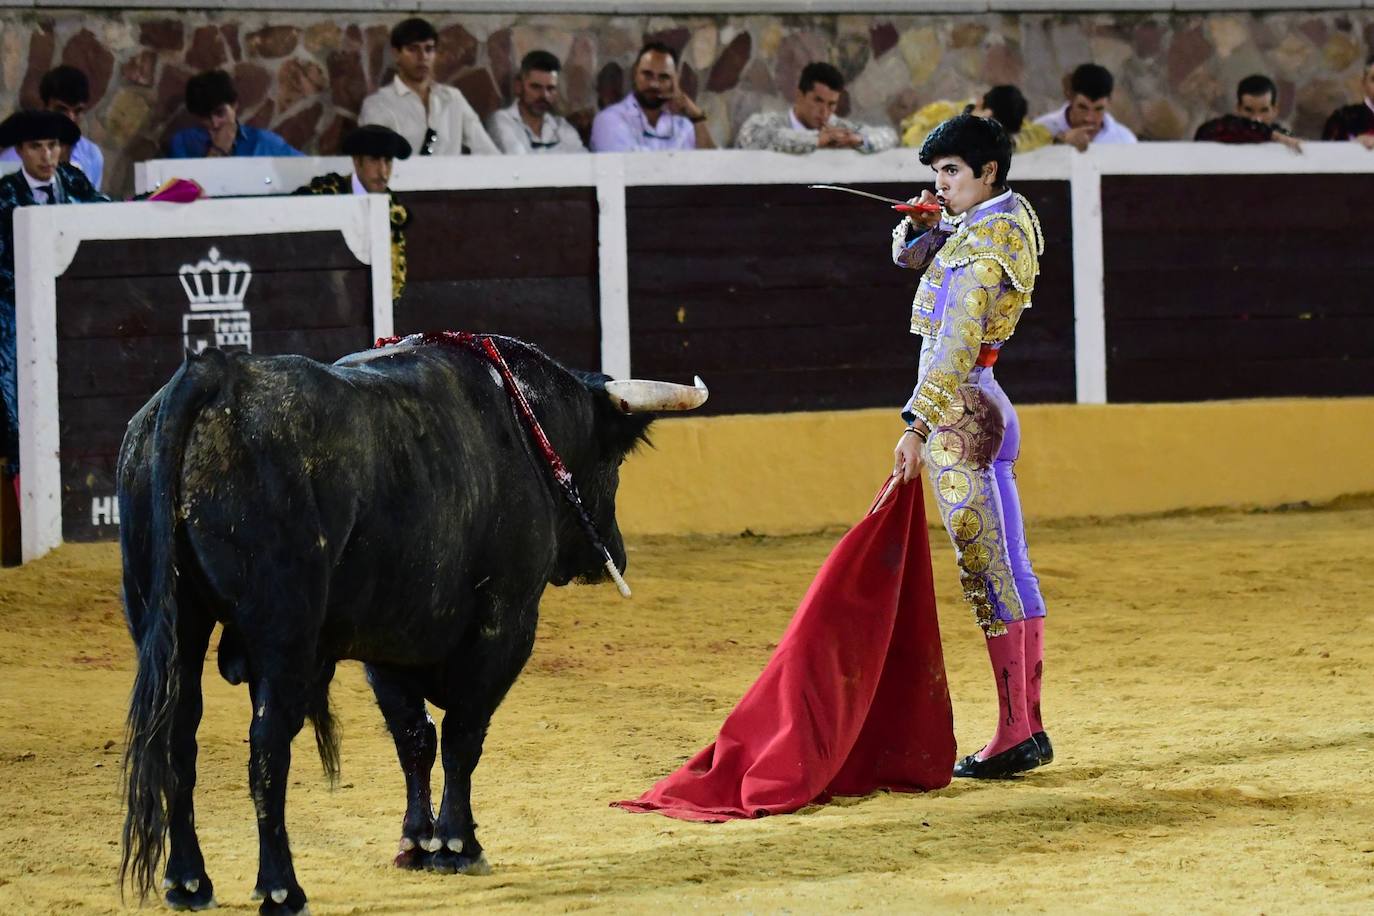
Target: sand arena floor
<point>1210,687</point>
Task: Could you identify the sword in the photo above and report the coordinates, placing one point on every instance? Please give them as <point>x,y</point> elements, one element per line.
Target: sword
<point>906,207</point>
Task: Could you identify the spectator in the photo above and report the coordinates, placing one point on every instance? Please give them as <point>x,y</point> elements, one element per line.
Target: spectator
<point>529,124</point>
<point>1355,122</point>
<point>374,150</point>
<point>811,122</point>
<point>1085,118</point>
<point>43,178</point>
<point>656,115</point>
<point>1004,104</point>
<point>212,100</point>
<point>434,119</point>
<point>66,91</point>
<point>1254,121</point>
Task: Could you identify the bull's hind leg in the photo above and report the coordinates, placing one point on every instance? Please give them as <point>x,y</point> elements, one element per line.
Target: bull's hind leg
<point>403,706</point>
<point>187,885</point>
<point>279,703</point>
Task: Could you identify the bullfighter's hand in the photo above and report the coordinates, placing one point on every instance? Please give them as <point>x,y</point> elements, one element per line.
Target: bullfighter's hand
<point>907,457</point>
<point>925,219</point>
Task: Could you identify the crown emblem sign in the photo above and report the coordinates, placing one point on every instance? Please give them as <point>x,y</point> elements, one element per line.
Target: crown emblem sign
<point>213,284</point>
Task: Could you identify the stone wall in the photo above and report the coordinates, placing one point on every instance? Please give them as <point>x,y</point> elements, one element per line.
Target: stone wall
<point>305,75</point>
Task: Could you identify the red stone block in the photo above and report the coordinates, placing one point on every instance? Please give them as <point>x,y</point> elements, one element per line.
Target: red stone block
<point>480,90</point>
<point>252,83</point>
<point>207,49</point>
<point>273,41</point>
<point>299,79</point>
<point>41,48</point>
<point>299,129</point>
<point>85,52</point>
<point>725,72</point>
<point>457,51</point>
<point>347,83</point>
<point>162,35</point>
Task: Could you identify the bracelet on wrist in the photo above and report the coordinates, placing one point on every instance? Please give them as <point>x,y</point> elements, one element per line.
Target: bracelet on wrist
<point>915,432</point>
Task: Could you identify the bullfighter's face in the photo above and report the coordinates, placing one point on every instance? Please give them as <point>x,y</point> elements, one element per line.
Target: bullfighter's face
<point>958,187</point>
<point>40,157</point>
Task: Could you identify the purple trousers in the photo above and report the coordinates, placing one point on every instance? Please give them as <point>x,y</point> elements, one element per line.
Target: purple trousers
<point>972,468</point>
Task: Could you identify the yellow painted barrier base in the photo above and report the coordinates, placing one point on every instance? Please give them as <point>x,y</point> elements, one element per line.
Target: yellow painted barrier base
<point>787,473</point>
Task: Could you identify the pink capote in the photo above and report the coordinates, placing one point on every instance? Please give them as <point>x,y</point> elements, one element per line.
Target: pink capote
<point>854,698</point>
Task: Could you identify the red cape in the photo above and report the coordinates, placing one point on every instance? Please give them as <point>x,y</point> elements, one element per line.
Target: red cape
<point>854,698</point>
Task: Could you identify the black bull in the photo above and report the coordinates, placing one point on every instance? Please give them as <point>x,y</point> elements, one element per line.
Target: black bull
<point>389,508</point>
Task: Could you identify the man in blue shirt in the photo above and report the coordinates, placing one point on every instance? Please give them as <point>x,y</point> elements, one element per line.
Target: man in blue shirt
<point>212,99</point>
<point>66,91</point>
<point>656,115</point>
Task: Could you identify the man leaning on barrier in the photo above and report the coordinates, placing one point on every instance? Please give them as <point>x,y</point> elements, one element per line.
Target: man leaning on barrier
<point>42,179</point>
<point>1086,117</point>
<point>1355,122</point>
<point>811,123</point>
<point>374,150</point>
<point>212,99</point>
<point>656,115</point>
<point>531,124</point>
<point>436,120</point>
<point>1255,119</point>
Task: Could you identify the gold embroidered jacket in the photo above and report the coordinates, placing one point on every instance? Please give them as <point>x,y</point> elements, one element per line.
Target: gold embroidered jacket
<point>400,217</point>
<point>979,276</point>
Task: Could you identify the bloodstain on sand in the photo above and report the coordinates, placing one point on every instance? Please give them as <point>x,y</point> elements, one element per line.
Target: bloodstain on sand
<point>1208,686</point>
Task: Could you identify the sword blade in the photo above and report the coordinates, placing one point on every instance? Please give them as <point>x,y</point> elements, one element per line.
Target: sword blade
<point>835,187</point>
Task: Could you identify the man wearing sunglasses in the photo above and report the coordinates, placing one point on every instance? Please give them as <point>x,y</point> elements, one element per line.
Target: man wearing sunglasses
<point>657,115</point>
<point>435,119</point>
<point>529,124</point>
<point>66,91</point>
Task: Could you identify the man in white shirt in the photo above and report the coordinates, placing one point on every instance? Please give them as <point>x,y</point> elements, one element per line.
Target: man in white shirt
<point>529,125</point>
<point>811,122</point>
<point>66,91</point>
<point>1085,118</point>
<point>656,115</point>
<point>433,118</point>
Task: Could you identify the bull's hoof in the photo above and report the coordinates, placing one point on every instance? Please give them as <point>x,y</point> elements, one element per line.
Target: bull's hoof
<point>283,902</point>
<point>448,862</point>
<point>412,859</point>
<point>190,893</point>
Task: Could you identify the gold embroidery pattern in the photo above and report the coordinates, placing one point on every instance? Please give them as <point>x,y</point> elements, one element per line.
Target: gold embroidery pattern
<point>1013,240</point>
<point>960,468</point>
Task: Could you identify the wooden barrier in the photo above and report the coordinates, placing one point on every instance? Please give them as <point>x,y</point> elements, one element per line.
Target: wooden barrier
<point>111,296</point>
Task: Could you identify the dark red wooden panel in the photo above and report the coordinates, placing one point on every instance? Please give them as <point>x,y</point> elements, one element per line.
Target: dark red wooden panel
<point>557,314</point>
<point>120,311</point>
<point>1238,286</point>
<point>464,235</point>
<point>739,282</point>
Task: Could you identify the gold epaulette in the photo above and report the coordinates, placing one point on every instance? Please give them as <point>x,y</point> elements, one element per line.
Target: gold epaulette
<point>1013,240</point>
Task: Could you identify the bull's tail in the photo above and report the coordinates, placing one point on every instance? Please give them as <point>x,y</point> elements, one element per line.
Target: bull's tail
<point>149,778</point>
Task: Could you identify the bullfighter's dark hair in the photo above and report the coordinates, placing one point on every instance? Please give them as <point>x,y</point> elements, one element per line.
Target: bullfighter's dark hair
<point>1092,81</point>
<point>655,47</point>
<point>975,140</point>
<point>412,30</point>
<point>207,91</point>
<point>542,61</point>
<point>1008,106</point>
<point>1258,84</point>
<point>818,71</point>
<point>65,84</point>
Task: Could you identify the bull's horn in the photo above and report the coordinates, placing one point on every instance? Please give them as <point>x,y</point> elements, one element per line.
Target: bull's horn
<point>641,396</point>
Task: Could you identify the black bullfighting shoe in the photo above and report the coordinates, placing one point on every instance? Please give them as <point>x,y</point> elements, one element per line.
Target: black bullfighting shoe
<point>1024,756</point>
<point>1042,741</point>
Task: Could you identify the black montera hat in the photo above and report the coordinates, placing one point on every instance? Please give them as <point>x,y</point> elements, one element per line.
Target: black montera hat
<point>37,125</point>
<point>376,140</point>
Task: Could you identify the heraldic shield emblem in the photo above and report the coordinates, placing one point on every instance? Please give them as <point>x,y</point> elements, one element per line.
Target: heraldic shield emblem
<point>215,289</point>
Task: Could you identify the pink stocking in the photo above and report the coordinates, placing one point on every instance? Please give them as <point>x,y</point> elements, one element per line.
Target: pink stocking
<point>1008,655</point>
<point>1035,669</point>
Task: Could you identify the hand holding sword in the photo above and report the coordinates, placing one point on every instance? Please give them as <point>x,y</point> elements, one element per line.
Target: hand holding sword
<point>923,211</point>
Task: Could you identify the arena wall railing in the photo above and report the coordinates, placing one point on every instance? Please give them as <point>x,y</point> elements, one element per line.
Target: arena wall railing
<point>110,297</point>
<point>1171,235</point>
